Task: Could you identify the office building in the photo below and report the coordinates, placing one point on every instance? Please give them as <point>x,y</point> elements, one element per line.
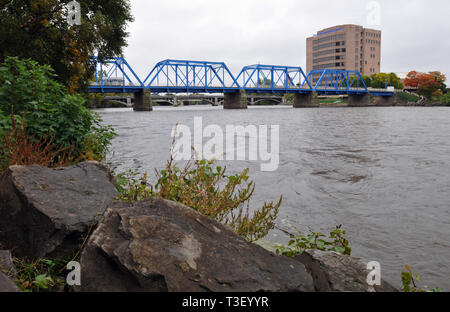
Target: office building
<point>346,47</point>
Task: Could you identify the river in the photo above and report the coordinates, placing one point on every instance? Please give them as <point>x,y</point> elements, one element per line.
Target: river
<point>381,172</point>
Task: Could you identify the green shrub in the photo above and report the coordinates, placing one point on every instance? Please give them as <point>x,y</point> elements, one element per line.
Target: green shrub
<point>316,240</point>
<point>206,188</point>
<point>407,97</point>
<point>444,99</point>
<point>133,188</point>
<point>29,89</point>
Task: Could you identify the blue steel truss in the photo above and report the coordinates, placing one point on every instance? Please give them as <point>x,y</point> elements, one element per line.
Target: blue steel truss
<point>273,79</point>
<point>332,81</point>
<point>114,75</point>
<point>191,77</point>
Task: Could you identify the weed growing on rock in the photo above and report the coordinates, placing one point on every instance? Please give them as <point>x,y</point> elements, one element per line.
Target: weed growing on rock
<point>42,275</point>
<point>315,240</point>
<point>410,282</point>
<point>207,188</point>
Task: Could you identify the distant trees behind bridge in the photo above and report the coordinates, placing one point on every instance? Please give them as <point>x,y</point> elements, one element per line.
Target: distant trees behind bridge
<point>380,80</point>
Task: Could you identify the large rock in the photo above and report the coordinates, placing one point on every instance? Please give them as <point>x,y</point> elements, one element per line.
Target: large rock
<point>333,272</point>
<point>46,212</point>
<point>158,245</point>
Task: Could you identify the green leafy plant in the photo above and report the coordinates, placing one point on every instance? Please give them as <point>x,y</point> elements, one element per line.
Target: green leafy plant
<point>408,97</point>
<point>133,188</point>
<point>29,89</point>
<point>19,148</point>
<point>410,282</point>
<point>444,99</point>
<point>316,240</point>
<point>206,188</point>
<point>42,275</point>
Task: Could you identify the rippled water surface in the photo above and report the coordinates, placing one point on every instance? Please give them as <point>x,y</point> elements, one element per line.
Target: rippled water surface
<point>383,173</point>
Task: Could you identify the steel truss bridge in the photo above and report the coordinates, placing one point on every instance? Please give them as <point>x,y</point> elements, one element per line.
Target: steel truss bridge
<point>115,75</point>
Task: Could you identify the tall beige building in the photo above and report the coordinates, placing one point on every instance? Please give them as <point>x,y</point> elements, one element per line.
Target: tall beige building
<point>347,47</point>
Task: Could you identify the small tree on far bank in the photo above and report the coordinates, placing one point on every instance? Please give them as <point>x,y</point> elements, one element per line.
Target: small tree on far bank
<point>381,79</point>
<point>429,85</point>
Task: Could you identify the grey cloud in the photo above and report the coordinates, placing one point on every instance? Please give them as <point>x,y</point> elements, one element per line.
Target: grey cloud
<point>241,32</point>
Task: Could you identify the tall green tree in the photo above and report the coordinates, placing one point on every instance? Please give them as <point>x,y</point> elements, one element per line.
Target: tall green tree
<point>379,81</point>
<point>38,29</point>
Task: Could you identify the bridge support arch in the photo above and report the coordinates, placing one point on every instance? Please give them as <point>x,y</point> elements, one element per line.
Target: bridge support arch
<point>355,100</point>
<point>143,101</point>
<point>384,100</point>
<point>235,100</point>
<point>302,100</point>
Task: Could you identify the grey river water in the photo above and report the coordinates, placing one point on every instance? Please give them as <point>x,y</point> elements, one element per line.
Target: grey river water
<point>383,173</point>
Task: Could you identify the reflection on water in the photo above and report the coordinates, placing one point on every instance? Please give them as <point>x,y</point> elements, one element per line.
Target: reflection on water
<point>383,173</point>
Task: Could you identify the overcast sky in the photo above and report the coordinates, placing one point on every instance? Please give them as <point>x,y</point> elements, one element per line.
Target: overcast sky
<point>415,33</point>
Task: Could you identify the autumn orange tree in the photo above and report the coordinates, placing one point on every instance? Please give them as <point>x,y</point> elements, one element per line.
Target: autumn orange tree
<point>427,84</point>
<point>38,29</point>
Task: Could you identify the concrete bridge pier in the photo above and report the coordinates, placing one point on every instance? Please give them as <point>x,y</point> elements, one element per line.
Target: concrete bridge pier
<point>143,101</point>
<point>235,100</point>
<point>384,100</point>
<point>302,100</point>
<point>355,100</point>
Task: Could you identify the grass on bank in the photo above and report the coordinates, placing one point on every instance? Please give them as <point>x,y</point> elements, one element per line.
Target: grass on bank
<point>408,97</point>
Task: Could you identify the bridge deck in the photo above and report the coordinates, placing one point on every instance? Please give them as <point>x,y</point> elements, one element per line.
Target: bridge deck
<point>213,90</point>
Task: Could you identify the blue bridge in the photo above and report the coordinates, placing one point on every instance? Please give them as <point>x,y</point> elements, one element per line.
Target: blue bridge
<point>115,75</point>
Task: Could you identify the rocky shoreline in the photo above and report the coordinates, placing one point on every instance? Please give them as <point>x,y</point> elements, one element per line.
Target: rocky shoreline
<point>154,245</point>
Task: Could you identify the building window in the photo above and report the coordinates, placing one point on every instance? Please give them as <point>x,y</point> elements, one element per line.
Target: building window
<point>329,38</point>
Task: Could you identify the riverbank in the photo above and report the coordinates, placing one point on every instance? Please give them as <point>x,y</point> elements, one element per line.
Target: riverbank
<point>73,213</point>
<point>98,101</point>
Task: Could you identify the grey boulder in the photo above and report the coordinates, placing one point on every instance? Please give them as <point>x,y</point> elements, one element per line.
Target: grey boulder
<point>334,272</point>
<point>158,246</point>
<point>46,212</point>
